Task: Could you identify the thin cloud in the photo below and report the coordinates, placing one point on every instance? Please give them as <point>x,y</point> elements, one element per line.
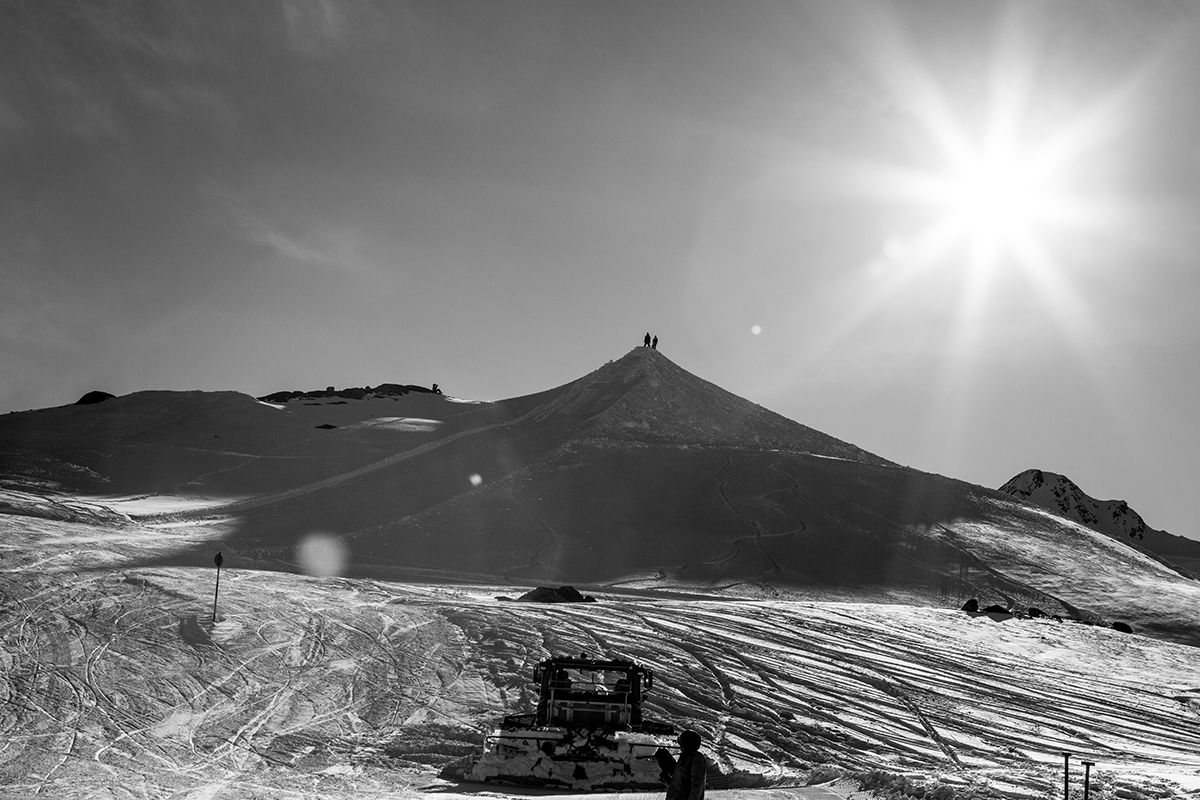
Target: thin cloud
<point>313,26</point>
<point>91,72</point>
<point>323,245</point>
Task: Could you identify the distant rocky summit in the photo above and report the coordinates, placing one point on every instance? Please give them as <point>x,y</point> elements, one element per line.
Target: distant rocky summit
<point>1113,518</point>
<point>91,398</point>
<point>1060,494</point>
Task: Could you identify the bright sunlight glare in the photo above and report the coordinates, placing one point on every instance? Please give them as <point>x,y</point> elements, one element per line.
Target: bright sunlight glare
<point>996,207</point>
<point>997,197</point>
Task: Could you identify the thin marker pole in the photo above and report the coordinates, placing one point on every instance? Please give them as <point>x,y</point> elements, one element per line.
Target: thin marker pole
<point>218,561</point>
<point>1066,775</point>
<point>1087,774</point>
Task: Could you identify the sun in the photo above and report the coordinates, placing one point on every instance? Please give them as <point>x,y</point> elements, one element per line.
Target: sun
<point>995,197</point>
<point>987,193</point>
<point>994,175</point>
<point>997,194</point>
<point>990,198</point>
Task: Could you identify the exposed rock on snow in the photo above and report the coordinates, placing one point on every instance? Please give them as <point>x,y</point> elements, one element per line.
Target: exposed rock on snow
<point>351,393</point>
<point>91,398</point>
<point>563,594</point>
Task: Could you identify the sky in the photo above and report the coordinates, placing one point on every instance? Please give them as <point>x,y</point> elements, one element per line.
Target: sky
<point>958,234</point>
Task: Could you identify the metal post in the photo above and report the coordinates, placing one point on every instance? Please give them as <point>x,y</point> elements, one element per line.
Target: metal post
<point>1087,774</point>
<point>217,560</point>
<point>1066,775</point>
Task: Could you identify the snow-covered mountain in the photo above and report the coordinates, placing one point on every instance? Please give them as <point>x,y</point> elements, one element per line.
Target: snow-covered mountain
<point>795,595</point>
<point>638,473</point>
<point>1060,494</point>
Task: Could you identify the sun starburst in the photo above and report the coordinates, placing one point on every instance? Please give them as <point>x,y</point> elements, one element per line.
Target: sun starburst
<point>997,182</point>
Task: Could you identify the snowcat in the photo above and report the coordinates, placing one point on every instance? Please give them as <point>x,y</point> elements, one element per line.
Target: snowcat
<point>587,733</point>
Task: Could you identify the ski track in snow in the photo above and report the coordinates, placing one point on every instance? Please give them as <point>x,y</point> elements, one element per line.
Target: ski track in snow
<point>356,688</point>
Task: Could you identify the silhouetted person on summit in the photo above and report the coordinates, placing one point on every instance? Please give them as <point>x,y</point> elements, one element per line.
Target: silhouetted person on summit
<point>646,341</point>
<point>654,344</point>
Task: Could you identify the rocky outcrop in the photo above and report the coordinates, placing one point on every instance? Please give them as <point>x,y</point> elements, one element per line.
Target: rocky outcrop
<point>546,594</point>
<point>352,392</point>
<point>1059,494</point>
<point>91,398</point>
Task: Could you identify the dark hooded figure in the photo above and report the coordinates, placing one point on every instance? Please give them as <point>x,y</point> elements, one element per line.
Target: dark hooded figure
<point>646,341</point>
<point>654,344</point>
<point>688,781</point>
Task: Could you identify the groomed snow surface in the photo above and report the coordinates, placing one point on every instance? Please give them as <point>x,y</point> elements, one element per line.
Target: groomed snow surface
<point>115,682</point>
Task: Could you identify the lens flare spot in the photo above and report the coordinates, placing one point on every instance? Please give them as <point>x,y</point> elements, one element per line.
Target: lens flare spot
<point>476,479</point>
<point>756,329</point>
<point>895,249</point>
<point>321,554</point>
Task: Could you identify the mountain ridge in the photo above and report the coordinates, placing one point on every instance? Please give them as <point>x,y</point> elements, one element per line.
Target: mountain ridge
<point>1114,518</point>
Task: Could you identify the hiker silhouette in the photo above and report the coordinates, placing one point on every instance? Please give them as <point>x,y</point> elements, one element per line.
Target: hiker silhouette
<point>646,341</point>
<point>654,344</point>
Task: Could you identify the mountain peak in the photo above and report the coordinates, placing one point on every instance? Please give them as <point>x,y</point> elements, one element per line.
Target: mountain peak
<point>656,400</point>
<point>1060,494</point>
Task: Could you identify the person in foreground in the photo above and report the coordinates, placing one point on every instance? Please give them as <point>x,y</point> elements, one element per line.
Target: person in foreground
<point>687,780</point>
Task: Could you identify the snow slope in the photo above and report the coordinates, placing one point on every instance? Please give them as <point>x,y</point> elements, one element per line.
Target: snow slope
<point>115,676</point>
<point>217,444</point>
